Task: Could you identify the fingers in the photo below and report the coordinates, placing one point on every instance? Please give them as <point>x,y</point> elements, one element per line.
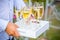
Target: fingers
<point>16,34</point>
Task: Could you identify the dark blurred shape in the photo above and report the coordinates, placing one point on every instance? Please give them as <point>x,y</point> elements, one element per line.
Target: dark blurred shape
<point>56,1</point>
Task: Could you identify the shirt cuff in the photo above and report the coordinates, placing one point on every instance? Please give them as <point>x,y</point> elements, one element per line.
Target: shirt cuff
<point>3,24</point>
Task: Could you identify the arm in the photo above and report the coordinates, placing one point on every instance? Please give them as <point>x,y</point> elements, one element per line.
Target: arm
<point>19,4</point>
<point>3,24</point>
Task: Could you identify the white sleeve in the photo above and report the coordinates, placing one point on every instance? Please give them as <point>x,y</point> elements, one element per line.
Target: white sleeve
<point>3,24</point>
<point>19,4</point>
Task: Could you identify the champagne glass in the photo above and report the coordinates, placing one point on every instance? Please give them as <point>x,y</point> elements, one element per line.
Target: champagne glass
<point>25,13</point>
<point>40,10</point>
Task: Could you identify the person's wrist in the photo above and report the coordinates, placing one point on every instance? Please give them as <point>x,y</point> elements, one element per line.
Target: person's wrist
<point>8,25</point>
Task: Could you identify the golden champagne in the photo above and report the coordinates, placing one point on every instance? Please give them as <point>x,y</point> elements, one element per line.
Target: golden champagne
<point>25,1</point>
<point>35,12</point>
<point>25,15</point>
<point>41,11</point>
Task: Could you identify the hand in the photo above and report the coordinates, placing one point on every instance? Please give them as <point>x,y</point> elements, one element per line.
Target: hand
<point>12,30</point>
